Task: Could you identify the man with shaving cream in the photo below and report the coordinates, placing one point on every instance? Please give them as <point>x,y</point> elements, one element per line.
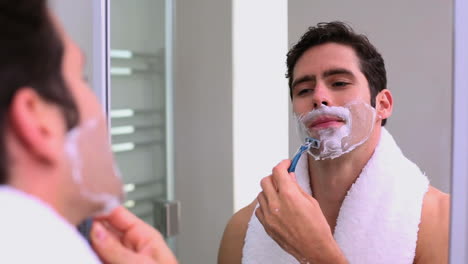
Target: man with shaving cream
<point>353,198</point>
<point>56,166</point>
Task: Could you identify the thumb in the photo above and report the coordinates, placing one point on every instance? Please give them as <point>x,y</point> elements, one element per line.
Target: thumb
<point>108,248</point>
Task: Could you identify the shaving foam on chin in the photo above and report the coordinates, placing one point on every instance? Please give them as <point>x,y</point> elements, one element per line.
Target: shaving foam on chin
<point>357,120</point>
<point>92,166</point>
<point>107,201</point>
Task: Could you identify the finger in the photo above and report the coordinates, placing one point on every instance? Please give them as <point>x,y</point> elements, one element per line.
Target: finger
<point>296,184</point>
<point>262,202</point>
<point>273,183</point>
<point>259,213</point>
<point>262,205</point>
<point>260,216</point>
<point>136,233</point>
<point>144,238</point>
<point>111,230</point>
<point>281,176</point>
<point>293,176</point>
<point>267,207</point>
<point>121,219</point>
<point>268,188</point>
<point>108,248</point>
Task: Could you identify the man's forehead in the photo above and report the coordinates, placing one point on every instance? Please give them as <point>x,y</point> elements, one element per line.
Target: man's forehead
<point>325,58</point>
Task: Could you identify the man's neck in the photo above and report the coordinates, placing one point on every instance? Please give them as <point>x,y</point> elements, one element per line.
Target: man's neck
<point>43,179</point>
<point>47,191</point>
<point>331,179</point>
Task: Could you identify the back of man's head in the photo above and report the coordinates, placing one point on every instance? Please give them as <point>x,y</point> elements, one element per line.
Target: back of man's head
<point>31,54</point>
<point>371,62</point>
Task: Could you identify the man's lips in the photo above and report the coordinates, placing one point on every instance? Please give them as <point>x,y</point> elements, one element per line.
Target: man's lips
<point>325,122</point>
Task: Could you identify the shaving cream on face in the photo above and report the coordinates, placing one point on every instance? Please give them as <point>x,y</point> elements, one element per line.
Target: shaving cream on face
<point>93,169</point>
<point>357,120</point>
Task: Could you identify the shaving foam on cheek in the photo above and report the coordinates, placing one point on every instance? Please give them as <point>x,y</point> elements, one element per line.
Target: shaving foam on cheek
<point>72,153</point>
<point>355,121</point>
<point>93,169</point>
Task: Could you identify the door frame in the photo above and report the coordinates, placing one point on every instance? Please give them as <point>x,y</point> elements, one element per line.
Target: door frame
<point>101,59</point>
<point>459,217</point>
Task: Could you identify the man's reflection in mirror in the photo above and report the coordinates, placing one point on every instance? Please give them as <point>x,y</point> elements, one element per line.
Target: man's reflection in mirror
<point>356,198</point>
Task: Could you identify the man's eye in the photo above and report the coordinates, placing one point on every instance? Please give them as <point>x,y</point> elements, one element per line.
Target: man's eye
<point>340,84</point>
<point>304,91</point>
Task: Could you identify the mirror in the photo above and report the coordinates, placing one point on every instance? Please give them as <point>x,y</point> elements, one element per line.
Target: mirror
<point>459,217</point>
<point>417,50</point>
<point>415,39</point>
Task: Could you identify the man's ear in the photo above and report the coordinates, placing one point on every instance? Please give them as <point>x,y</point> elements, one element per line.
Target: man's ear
<point>384,104</point>
<point>37,125</point>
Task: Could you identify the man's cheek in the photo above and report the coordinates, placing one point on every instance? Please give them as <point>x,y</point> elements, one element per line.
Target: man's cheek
<point>93,168</point>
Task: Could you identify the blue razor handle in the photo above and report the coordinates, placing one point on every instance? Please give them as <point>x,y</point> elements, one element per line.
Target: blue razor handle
<point>85,229</point>
<point>309,143</point>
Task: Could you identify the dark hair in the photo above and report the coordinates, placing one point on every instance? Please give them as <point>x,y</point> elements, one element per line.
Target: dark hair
<point>31,52</point>
<point>371,62</point>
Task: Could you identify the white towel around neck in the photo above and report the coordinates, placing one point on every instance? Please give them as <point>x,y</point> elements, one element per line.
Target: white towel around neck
<point>378,221</point>
<point>31,231</point>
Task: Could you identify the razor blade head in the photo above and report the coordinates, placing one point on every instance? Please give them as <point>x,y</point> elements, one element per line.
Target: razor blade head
<point>314,143</point>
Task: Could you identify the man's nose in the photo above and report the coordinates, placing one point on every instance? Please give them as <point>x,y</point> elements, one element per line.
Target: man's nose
<point>321,96</point>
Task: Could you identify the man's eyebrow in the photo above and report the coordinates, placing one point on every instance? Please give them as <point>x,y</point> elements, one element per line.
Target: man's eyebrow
<point>305,78</point>
<point>337,71</point>
<point>327,73</point>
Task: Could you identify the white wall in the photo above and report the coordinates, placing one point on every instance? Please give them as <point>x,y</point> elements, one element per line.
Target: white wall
<point>260,94</point>
<point>203,126</point>
<point>230,117</point>
<point>415,40</point>
<point>77,19</point>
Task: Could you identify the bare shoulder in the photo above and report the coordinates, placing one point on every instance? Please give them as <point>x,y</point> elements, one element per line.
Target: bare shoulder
<point>230,250</point>
<point>433,235</point>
